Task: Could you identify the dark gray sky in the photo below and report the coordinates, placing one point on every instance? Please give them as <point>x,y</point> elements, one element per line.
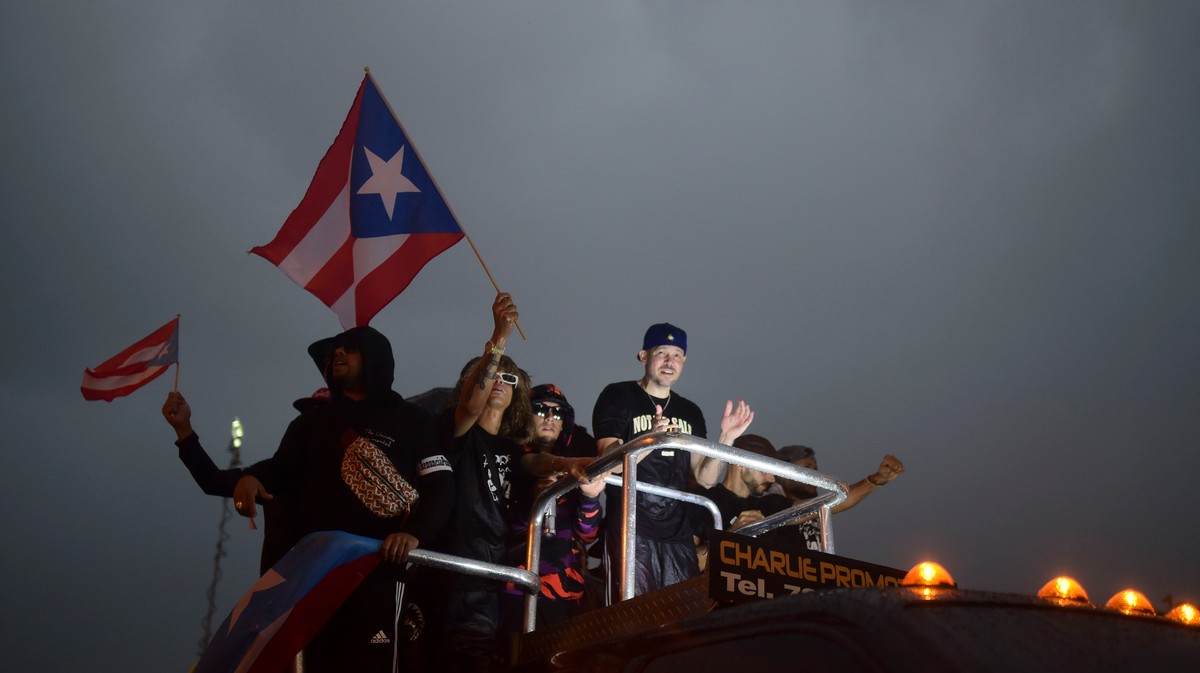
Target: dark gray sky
<point>962,233</point>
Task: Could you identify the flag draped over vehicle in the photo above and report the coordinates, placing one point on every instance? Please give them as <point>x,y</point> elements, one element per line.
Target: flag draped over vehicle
<point>369,222</point>
<point>133,367</point>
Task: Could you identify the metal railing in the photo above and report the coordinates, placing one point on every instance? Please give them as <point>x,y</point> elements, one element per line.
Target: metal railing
<point>627,456</point>
<point>527,580</point>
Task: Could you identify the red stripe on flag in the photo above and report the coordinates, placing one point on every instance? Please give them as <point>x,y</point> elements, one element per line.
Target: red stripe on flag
<point>392,277</point>
<point>330,179</point>
<point>94,388</point>
<point>336,277</point>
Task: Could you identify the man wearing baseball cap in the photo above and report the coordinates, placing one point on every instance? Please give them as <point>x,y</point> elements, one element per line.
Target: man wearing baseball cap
<point>665,552</point>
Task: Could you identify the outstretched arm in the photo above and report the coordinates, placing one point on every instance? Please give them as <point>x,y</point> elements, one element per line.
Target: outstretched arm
<point>479,382</point>
<point>549,465</point>
<point>210,478</point>
<point>889,469</point>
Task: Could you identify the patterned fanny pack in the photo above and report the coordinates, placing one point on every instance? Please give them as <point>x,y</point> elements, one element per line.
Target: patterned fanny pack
<point>369,473</point>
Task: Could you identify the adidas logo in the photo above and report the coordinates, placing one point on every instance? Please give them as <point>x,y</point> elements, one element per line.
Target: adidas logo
<point>380,639</point>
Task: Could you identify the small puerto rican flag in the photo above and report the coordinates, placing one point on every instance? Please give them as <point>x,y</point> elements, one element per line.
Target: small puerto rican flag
<point>133,367</point>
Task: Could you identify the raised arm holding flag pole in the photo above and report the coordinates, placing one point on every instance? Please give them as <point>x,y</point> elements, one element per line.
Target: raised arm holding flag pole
<point>371,218</point>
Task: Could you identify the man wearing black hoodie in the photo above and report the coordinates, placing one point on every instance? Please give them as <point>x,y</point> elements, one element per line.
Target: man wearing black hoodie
<point>366,463</point>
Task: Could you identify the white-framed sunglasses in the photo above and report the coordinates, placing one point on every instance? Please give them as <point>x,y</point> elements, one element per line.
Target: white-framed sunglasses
<point>510,379</point>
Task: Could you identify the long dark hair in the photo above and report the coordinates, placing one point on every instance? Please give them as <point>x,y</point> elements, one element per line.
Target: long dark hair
<point>516,425</point>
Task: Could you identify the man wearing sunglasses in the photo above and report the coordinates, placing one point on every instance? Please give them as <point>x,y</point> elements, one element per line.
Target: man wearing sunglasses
<point>491,421</point>
<point>560,448</point>
<point>366,462</point>
<point>665,552</point>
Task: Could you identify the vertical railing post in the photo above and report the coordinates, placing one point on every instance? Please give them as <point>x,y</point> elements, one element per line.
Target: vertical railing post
<point>629,527</point>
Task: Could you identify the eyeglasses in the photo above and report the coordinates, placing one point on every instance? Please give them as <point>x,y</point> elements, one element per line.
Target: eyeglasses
<point>542,411</point>
<point>510,379</point>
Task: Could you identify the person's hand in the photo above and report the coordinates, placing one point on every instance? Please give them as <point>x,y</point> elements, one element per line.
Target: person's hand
<point>504,315</point>
<point>661,423</point>
<point>577,468</point>
<point>701,553</point>
<point>889,469</point>
<point>178,414</point>
<point>396,546</point>
<point>245,492</point>
<point>595,487</point>
<point>745,518</point>
<point>735,420</point>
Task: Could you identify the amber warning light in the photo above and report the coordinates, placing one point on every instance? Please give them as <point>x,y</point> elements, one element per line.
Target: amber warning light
<point>1064,590</point>
<point>929,580</point>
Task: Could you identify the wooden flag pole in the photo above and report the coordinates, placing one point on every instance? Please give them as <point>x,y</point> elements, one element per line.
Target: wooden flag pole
<point>489,273</point>
<point>176,358</point>
<point>412,146</point>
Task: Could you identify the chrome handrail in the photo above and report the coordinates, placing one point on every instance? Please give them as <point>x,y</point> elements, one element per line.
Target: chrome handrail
<point>525,579</point>
<point>543,503</point>
<point>802,510</point>
<point>692,498</point>
<point>628,454</point>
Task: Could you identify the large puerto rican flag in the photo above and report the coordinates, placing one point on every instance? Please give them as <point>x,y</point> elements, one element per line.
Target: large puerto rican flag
<point>289,604</point>
<point>133,367</point>
<point>370,220</point>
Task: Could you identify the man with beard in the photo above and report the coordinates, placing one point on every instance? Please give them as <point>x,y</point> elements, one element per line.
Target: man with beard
<point>559,448</point>
<point>745,489</point>
<point>665,552</point>
<point>367,463</point>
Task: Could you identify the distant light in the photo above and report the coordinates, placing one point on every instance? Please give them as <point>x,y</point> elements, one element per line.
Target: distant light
<point>1185,613</point>
<point>1131,602</point>
<point>1064,590</point>
<point>929,579</point>
<point>236,432</point>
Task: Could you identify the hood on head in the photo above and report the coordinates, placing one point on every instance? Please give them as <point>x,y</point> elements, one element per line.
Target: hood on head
<point>548,392</point>
<point>377,361</point>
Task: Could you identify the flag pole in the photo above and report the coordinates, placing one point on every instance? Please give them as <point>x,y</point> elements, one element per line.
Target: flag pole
<point>177,360</point>
<point>485,268</point>
<point>412,146</point>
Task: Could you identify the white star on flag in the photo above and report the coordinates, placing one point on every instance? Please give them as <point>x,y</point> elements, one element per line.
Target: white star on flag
<point>387,179</point>
<point>353,256</point>
<point>269,580</point>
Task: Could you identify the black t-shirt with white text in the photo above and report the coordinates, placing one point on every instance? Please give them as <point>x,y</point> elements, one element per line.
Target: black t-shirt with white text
<point>625,410</point>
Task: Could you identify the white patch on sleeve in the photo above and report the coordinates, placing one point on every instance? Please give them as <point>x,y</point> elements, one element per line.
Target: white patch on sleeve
<point>431,464</point>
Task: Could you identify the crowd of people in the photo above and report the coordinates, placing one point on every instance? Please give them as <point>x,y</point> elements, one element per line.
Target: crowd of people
<point>361,459</point>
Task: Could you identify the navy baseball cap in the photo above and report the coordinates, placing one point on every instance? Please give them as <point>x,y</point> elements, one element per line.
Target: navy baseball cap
<point>664,334</point>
